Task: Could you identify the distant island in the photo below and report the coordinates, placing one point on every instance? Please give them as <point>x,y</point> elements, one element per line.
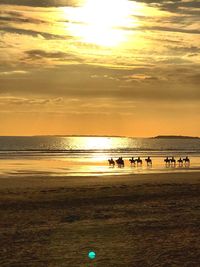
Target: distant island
<point>175,137</point>
<point>116,136</point>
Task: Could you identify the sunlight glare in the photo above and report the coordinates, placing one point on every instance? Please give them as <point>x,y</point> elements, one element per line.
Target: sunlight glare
<point>102,22</point>
<point>98,143</point>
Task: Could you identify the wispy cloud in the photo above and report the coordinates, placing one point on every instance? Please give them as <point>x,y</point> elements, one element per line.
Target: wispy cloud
<point>48,61</point>
<point>39,3</point>
<point>22,101</point>
<point>40,54</point>
<point>34,33</point>
<point>13,72</point>
<point>175,6</point>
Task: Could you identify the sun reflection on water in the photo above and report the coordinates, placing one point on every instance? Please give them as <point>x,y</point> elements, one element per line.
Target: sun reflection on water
<point>100,143</point>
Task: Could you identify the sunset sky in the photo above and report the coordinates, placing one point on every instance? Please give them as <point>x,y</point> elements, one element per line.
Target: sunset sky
<point>102,67</point>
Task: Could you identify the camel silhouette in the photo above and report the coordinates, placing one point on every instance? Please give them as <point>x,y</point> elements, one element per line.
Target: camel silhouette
<point>187,161</point>
<point>111,162</point>
<point>180,162</point>
<point>139,161</point>
<point>120,162</point>
<point>132,161</point>
<point>148,161</point>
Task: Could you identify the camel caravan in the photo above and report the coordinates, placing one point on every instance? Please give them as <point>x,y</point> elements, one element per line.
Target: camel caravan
<point>137,162</point>
<point>181,162</point>
<point>133,161</point>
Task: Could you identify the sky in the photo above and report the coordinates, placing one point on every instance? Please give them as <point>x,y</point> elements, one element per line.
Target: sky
<point>100,67</point>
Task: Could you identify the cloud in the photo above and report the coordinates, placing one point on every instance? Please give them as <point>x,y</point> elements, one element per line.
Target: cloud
<point>159,83</point>
<point>149,62</point>
<point>170,29</point>
<point>189,51</point>
<point>14,100</point>
<point>34,33</point>
<point>138,77</point>
<point>40,3</point>
<point>175,6</point>
<point>18,17</point>
<point>39,54</point>
<point>13,72</point>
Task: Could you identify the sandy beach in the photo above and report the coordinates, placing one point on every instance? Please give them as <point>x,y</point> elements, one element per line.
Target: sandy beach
<point>132,220</point>
<point>99,133</point>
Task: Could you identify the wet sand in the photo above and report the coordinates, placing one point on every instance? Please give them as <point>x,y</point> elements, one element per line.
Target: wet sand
<point>130,220</point>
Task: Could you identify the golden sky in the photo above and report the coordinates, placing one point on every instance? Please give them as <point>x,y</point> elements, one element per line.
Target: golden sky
<point>104,67</point>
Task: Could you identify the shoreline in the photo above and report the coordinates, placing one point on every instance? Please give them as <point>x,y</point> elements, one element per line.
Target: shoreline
<point>71,168</point>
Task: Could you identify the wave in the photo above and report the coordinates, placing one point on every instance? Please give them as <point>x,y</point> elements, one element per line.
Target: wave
<point>5,154</point>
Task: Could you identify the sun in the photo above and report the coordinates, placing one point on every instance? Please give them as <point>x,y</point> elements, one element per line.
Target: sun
<point>101,22</point>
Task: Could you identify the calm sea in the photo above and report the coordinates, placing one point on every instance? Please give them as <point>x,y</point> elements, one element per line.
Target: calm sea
<point>83,155</point>
<point>84,146</point>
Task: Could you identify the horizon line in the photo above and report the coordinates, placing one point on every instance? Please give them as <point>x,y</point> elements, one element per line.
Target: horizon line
<point>97,135</point>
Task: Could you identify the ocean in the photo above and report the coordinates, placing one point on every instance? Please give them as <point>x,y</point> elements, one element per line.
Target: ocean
<point>56,155</point>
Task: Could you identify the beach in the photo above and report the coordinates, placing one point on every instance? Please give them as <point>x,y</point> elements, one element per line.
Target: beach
<point>128,220</point>
<point>99,133</point>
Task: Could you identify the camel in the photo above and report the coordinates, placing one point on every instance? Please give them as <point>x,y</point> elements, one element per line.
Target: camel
<point>132,161</point>
<point>180,162</point>
<point>139,161</point>
<point>167,161</point>
<point>148,161</point>
<point>111,162</point>
<point>120,162</point>
<point>173,161</point>
<point>187,161</point>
